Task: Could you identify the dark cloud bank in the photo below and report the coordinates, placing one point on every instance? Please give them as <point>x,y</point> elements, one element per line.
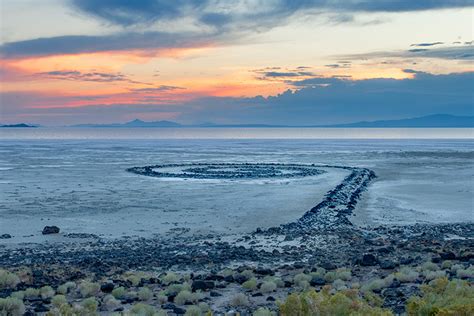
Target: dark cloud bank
<point>319,101</point>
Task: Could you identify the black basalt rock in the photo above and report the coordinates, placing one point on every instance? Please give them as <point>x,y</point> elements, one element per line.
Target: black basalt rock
<point>47,230</point>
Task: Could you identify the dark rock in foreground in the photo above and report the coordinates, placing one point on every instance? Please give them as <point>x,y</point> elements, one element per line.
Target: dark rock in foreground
<point>47,230</point>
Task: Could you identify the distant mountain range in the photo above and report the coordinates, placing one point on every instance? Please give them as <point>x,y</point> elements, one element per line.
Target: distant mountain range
<point>436,120</point>
<point>134,123</point>
<point>18,125</point>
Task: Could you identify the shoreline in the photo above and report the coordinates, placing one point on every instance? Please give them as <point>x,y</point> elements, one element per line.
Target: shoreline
<point>322,238</point>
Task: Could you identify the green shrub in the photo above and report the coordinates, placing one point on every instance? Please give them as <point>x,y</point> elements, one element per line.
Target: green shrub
<point>119,292</point>
<point>145,294</point>
<point>162,298</point>
<point>431,275</point>
<point>456,267</point>
<point>377,284</point>
<point>145,310</point>
<point>135,277</point>
<point>193,311</point>
<point>66,288</point>
<point>204,307</point>
<point>339,285</point>
<point>406,275</point>
<point>8,280</point>
<point>465,273</point>
<point>302,280</point>
<point>248,274</point>
<point>279,282</point>
<point>342,274</point>
<point>250,284</point>
<point>11,307</point>
<point>443,297</point>
<point>31,292</point>
<point>429,266</point>
<point>319,273</point>
<point>447,264</point>
<point>46,292</point>
<point>110,302</point>
<point>176,288</point>
<point>170,277</point>
<point>323,303</point>
<point>239,299</point>
<point>88,289</point>
<point>268,286</point>
<point>58,300</point>
<point>90,305</point>
<point>18,294</point>
<point>262,311</point>
<point>184,297</point>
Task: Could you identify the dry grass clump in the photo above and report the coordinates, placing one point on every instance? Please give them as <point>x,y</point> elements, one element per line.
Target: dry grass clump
<point>324,303</point>
<point>239,300</point>
<point>443,297</point>
<point>8,280</point>
<point>11,307</point>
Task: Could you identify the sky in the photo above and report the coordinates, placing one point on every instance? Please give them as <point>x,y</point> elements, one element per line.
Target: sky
<point>285,62</point>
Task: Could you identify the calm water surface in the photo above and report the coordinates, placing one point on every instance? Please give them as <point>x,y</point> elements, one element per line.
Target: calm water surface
<point>236,133</point>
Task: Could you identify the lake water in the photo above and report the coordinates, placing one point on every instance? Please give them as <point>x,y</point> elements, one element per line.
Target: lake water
<point>236,133</point>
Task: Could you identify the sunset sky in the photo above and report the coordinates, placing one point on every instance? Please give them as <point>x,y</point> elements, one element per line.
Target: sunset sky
<point>294,62</point>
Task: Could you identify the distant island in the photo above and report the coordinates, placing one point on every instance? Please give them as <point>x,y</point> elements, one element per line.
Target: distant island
<point>17,125</point>
<point>433,121</point>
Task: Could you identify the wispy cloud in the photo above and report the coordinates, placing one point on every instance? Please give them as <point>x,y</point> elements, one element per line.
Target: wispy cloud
<point>75,75</point>
<point>464,52</point>
<point>427,44</point>
<point>162,88</point>
<point>281,74</point>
